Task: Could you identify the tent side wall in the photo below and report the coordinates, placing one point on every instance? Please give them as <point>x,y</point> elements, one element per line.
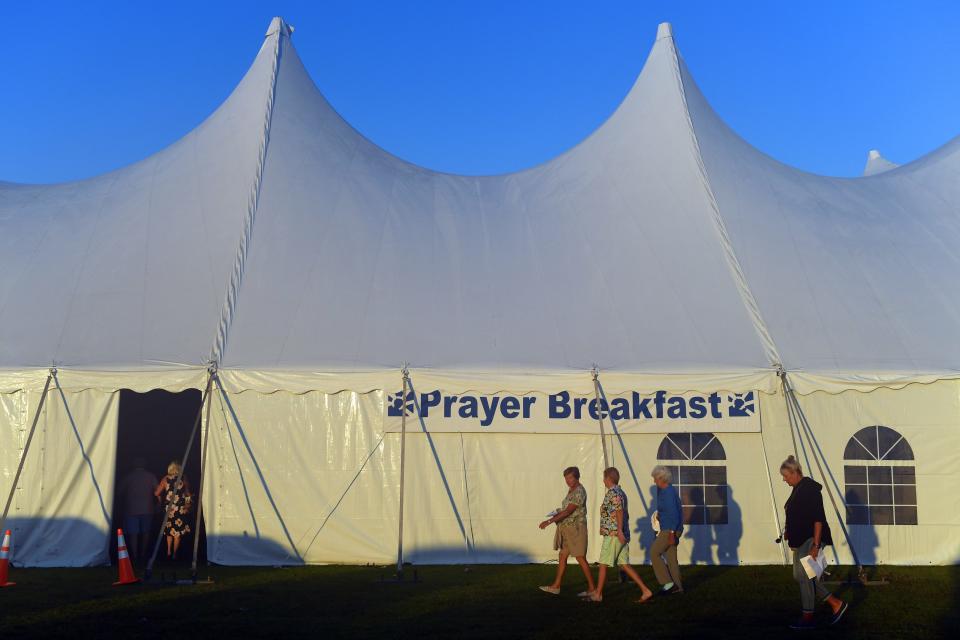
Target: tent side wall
<point>60,515</point>
<point>313,477</point>
<point>892,454</point>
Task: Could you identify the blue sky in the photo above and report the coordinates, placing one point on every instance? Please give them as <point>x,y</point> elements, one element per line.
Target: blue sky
<point>479,87</point>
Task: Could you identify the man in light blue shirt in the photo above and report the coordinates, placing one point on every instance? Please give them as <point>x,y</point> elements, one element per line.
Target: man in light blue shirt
<point>670,515</point>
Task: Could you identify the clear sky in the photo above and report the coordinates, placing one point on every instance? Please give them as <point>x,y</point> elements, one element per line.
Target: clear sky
<point>482,86</point>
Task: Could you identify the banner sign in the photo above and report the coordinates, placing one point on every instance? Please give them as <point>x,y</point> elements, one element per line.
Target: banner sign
<point>563,412</point>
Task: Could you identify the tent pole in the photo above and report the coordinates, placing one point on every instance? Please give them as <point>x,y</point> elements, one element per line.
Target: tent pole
<point>773,497</point>
<point>603,436</point>
<point>203,475</point>
<point>26,448</point>
<point>804,423</point>
<point>403,443</point>
<point>183,466</point>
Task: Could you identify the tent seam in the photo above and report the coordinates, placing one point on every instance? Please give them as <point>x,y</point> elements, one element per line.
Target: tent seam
<point>228,311</point>
<point>746,295</point>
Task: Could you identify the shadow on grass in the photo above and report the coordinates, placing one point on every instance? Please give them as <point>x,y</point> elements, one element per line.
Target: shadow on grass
<point>480,601</point>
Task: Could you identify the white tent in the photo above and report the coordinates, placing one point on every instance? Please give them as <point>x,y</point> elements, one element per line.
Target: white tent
<point>308,267</point>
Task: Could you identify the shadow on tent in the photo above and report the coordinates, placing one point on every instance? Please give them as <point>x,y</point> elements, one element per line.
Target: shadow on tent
<point>712,543</point>
<point>58,542</point>
<point>293,556</point>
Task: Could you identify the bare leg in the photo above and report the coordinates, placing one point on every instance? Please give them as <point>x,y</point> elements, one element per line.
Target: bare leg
<point>582,561</point>
<point>169,545</point>
<point>561,567</point>
<point>834,602</point>
<point>601,580</point>
<point>644,589</point>
<point>176,545</point>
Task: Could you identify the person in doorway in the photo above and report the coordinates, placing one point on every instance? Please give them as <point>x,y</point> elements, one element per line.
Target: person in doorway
<point>807,532</point>
<point>670,515</point>
<point>177,502</point>
<point>137,488</point>
<point>570,538</point>
<point>615,531</point>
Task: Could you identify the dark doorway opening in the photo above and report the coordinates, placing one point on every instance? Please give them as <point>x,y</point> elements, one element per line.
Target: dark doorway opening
<point>155,427</point>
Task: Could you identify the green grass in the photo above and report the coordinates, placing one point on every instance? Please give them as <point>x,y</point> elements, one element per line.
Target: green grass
<point>482,601</point>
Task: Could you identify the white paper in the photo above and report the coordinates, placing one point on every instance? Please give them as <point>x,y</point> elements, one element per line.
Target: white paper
<point>814,567</point>
<point>655,521</point>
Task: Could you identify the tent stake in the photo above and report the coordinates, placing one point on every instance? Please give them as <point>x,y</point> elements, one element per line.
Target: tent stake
<point>183,465</point>
<point>26,448</point>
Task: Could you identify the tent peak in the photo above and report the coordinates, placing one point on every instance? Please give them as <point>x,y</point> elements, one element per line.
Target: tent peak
<point>876,163</point>
<point>664,30</point>
<point>279,25</point>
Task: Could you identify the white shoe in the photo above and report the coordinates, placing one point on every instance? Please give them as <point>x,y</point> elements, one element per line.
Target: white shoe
<point>553,590</point>
<point>585,594</point>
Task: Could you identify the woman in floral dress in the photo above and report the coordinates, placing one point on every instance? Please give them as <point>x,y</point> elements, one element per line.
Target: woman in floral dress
<point>177,505</point>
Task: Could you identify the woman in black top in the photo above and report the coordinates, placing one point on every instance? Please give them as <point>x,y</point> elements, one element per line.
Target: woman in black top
<point>807,532</point>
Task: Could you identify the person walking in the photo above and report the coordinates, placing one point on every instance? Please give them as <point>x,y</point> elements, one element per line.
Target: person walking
<point>570,538</point>
<point>176,501</point>
<point>138,505</point>
<point>615,531</point>
<point>670,515</point>
<point>807,532</point>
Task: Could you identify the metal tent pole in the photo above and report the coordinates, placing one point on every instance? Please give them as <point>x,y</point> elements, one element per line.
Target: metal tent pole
<point>403,444</point>
<point>26,449</point>
<point>183,465</point>
<point>773,497</point>
<point>203,475</point>
<point>603,436</point>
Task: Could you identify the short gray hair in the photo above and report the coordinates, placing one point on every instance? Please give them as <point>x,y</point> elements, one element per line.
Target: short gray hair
<point>660,472</point>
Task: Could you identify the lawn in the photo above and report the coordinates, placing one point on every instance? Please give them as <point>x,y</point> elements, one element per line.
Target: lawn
<point>454,601</point>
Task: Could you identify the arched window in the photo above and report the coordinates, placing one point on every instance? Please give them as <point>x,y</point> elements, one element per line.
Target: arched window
<point>881,485</point>
<point>700,475</point>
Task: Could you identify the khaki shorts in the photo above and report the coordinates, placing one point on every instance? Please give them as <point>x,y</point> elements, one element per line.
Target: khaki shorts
<point>573,540</point>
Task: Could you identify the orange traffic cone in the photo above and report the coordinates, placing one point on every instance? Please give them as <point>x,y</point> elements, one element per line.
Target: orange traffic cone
<point>5,561</point>
<point>126,567</point>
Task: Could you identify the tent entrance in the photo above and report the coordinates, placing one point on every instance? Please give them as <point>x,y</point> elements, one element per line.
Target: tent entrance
<point>153,428</point>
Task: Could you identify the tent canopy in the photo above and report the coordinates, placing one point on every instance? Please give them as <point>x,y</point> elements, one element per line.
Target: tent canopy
<point>275,237</point>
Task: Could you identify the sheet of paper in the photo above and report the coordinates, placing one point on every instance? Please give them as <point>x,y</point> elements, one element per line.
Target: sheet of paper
<point>814,567</point>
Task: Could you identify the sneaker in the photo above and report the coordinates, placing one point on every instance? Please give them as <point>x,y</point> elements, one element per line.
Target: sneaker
<point>839,614</point>
<point>553,590</point>
<point>585,594</point>
<point>803,624</point>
